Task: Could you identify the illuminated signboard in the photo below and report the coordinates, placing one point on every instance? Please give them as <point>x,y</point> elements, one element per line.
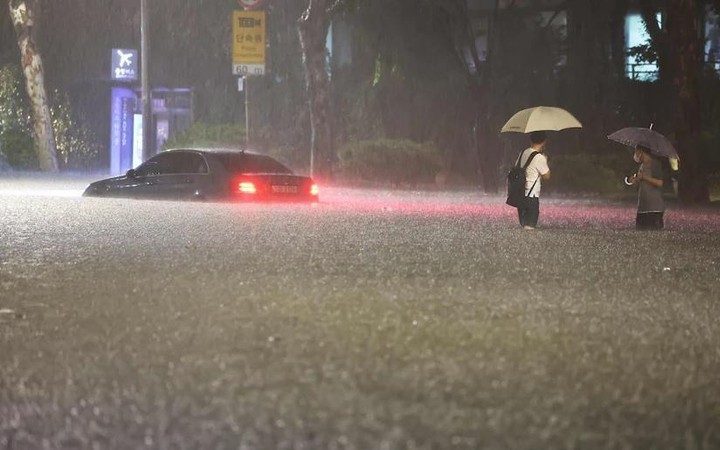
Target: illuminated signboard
<point>121,130</point>
<point>124,64</point>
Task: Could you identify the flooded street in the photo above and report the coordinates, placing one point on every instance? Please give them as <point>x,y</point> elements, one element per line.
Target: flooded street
<point>374,319</point>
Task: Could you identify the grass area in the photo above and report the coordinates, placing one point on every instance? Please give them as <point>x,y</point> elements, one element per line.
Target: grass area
<point>714,185</point>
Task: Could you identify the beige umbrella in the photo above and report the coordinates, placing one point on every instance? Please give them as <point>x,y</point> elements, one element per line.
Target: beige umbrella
<point>540,118</point>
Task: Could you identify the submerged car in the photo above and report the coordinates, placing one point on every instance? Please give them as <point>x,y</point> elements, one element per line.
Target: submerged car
<point>208,174</point>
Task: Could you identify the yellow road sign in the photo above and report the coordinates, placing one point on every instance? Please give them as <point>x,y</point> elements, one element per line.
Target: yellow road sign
<point>248,42</point>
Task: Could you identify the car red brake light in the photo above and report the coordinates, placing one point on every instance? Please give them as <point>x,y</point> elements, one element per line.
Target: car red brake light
<point>246,187</point>
<point>314,190</point>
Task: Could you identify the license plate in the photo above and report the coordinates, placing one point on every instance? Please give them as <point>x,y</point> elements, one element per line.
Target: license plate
<point>285,189</point>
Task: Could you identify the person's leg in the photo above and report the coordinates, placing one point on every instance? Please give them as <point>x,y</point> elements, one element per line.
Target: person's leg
<point>533,212</point>
<point>649,221</point>
<point>641,221</point>
<point>657,221</point>
<point>521,215</point>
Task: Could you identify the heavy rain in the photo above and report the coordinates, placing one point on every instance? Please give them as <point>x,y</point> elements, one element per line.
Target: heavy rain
<point>342,269</point>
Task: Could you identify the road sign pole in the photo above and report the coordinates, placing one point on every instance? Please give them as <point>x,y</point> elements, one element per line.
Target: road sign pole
<point>145,79</point>
<point>248,50</point>
<point>247,110</point>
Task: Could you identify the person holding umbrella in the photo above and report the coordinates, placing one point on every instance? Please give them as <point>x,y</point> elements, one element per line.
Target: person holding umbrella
<point>650,148</point>
<point>532,161</point>
<point>536,170</point>
<point>649,179</point>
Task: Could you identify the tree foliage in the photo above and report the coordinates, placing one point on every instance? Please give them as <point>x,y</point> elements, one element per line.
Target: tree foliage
<point>679,54</point>
<point>411,69</point>
<point>22,16</point>
<point>400,162</point>
<point>15,123</point>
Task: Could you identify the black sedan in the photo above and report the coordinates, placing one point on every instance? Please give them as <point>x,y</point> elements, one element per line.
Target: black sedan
<point>208,174</point>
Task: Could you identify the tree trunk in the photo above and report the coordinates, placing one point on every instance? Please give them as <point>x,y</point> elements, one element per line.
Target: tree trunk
<point>481,81</point>
<point>684,65</point>
<point>22,16</point>
<point>590,70</point>
<point>486,135</point>
<point>313,28</point>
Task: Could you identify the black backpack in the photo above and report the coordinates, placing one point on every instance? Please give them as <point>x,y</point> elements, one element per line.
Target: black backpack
<point>516,182</point>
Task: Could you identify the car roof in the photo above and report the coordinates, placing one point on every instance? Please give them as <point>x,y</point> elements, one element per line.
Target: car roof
<point>213,150</point>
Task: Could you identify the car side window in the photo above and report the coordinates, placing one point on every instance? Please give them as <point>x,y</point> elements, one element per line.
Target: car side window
<point>162,164</point>
<point>191,163</point>
<point>148,168</point>
<point>170,163</point>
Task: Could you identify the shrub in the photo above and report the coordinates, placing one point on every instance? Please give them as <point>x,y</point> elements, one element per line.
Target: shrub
<point>590,174</point>
<point>709,154</point>
<point>201,134</point>
<point>397,162</point>
<point>15,127</point>
<point>295,157</point>
<point>19,149</point>
<point>77,147</point>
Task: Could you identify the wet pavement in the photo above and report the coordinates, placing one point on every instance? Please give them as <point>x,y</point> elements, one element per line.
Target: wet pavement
<point>375,319</point>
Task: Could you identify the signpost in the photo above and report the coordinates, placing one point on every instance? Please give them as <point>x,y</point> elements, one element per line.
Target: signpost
<point>124,64</point>
<point>248,56</point>
<point>250,4</point>
<point>121,129</point>
<point>124,70</point>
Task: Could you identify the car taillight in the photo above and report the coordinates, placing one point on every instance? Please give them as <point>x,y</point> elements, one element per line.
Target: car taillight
<point>246,187</point>
<point>314,190</point>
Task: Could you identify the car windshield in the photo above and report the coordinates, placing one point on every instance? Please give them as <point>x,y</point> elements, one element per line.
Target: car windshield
<point>248,163</point>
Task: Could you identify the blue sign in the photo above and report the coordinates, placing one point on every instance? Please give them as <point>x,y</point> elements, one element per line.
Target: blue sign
<point>121,129</point>
<point>124,64</point>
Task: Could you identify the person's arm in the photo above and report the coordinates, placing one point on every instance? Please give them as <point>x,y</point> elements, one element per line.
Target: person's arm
<point>542,167</point>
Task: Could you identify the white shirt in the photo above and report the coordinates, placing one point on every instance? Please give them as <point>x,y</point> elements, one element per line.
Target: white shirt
<point>538,167</point>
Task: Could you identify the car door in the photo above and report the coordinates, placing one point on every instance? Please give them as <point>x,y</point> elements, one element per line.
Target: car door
<point>138,183</point>
<point>186,176</point>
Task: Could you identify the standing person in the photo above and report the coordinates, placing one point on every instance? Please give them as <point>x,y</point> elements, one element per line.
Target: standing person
<point>649,178</point>
<point>536,171</point>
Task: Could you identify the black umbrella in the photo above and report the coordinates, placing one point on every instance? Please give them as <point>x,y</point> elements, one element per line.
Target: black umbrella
<point>645,137</point>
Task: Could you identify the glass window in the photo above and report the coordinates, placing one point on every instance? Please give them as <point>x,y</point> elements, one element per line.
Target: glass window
<point>246,163</point>
<point>712,39</point>
<point>480,27</point>
<point>157,165</point>
<point>148,168</point>
<point>189,162</point>
<point>168,163</point>
<point>636,35</point>
<point>162,164</point>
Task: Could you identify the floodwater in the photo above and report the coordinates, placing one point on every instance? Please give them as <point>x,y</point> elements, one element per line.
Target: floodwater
<point>375,319</point>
